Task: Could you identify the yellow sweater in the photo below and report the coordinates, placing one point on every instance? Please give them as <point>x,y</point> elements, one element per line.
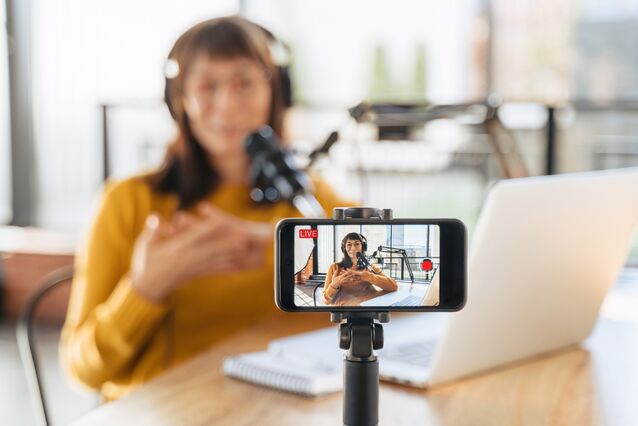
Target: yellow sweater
<point>113,339</point>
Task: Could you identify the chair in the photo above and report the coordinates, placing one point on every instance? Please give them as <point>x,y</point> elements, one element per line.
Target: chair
<point>305,276</point>
<point>314,292</point>
<point>26,340</point>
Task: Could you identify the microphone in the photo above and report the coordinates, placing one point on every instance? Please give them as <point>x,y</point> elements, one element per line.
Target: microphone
<point>274,176</point>
<point>323,149</point>
<point>363,263</point>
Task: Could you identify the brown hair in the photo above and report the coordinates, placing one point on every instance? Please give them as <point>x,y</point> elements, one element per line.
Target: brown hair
<point>185,170</point>
<point>346,262</point>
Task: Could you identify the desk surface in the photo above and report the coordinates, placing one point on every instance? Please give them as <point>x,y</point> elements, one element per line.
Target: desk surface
<point>593,383</point>
<point>16,239</point>
<point>366,292</point>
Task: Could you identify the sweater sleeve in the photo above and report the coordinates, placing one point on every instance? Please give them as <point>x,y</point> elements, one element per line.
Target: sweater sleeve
<point>108,322</point>
<point>329,292</point>
<point>382,281</point>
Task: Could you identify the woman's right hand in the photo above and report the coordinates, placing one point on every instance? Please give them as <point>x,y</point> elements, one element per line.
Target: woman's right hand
<point>166,255</point>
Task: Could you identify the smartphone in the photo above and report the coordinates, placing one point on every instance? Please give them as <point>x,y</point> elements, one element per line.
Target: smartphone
<point>370,265</point>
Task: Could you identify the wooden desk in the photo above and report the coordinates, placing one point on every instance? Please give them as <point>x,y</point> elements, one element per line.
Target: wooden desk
<point>595,383</point>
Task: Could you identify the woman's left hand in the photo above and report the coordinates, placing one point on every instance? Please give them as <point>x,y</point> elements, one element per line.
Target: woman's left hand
<point>254,236</point>
<point>366,275</point>
<point>379,280</point>
<point>257,233</point>
<point>361,275</point>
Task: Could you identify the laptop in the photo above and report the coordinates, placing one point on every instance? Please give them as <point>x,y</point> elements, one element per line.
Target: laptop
<point>544,253</point>
<point>410,296</point>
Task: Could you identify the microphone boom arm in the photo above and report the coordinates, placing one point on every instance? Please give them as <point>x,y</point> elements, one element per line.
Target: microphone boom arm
<point>404,256</point>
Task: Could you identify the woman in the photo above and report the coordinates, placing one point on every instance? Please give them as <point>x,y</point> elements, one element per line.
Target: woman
<point>180,258</point>
<point>347,284</point>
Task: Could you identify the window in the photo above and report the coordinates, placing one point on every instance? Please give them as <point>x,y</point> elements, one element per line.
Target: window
<point>5,135</point>
<point>86,54</point>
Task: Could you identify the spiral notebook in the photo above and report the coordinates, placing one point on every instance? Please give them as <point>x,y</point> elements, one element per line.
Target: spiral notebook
<point>317,374</point>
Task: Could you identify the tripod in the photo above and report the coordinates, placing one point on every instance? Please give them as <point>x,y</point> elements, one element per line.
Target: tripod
<point>360,335</point>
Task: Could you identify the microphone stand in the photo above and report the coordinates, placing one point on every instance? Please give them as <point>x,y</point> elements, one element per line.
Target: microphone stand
<point>308,205</point>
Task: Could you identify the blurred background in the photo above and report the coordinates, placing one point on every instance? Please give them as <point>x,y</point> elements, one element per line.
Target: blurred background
<point>457,95</point>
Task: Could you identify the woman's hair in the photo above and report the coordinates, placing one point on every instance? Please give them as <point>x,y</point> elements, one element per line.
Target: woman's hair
<point>346,262</point>
<point>185,170</point>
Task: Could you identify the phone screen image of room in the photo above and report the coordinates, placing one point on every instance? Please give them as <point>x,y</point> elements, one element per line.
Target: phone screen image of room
<point>366,265</point>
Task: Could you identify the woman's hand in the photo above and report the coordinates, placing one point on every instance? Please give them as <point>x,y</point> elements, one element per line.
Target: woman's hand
<point>366,275</point>
<point>348,278</point>
<point>166,255</point>
<point>378,279</point>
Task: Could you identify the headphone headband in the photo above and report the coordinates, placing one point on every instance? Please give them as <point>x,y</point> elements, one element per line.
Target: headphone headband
<point>364,243</point>
<point>279,52</point>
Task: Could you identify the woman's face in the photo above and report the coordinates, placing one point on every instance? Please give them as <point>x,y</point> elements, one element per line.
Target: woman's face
<point>353,247</point>
<point>225,99</point>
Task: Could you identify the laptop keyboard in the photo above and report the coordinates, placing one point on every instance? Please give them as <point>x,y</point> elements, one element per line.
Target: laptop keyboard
<point>411,300</point>
<point>418,353</point>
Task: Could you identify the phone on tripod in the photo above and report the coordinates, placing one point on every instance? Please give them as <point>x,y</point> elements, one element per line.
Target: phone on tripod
<point>351,265</point>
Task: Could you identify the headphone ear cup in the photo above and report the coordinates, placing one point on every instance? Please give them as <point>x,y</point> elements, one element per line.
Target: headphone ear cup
<point>364,243</point>
<point>281,56</point>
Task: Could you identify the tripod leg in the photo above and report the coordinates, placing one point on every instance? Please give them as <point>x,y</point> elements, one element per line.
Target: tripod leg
<point>361,393</point>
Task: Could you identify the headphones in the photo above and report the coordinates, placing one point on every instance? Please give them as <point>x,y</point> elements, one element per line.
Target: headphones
<point>279,52</point>
<point>364,244</point>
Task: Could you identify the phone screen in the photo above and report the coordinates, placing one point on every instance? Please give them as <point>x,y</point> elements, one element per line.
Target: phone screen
<point>366,265</point>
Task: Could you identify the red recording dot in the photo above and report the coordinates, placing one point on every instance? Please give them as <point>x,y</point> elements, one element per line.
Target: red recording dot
<point>427,265</point>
